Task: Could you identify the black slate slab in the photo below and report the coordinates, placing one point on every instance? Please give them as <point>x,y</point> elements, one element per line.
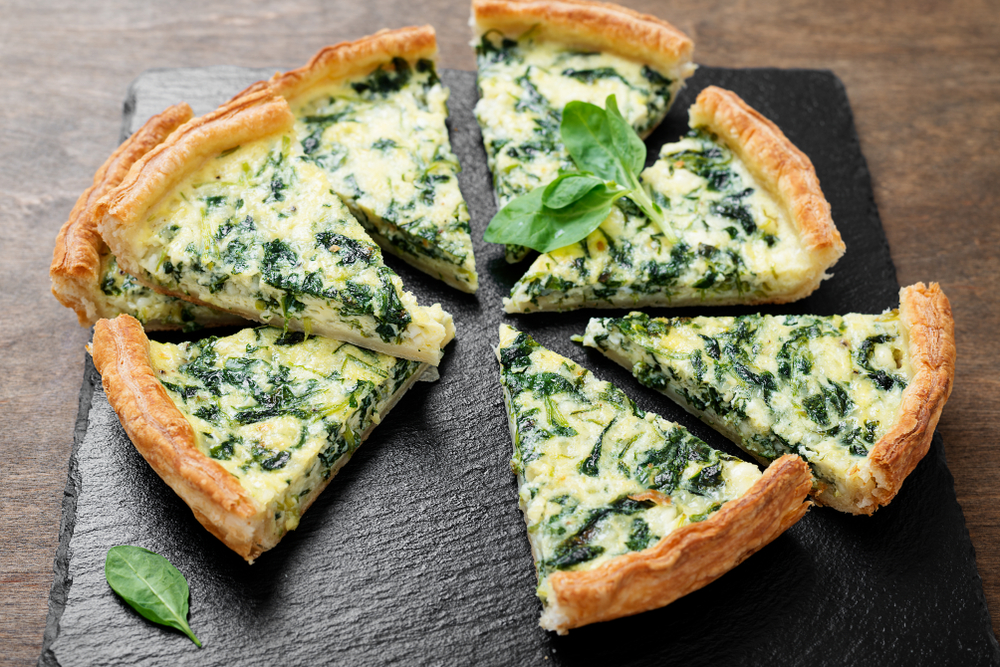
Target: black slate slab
<point>416,554</point>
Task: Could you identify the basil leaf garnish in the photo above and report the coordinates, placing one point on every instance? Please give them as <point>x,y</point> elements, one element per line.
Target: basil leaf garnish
<point>609,156</point>
<point>151,585</point>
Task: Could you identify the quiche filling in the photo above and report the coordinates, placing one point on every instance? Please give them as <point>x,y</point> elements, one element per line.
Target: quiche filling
<point>734,242</point>
<point>124,294</point>
<point>279,411</point>
<point>383,143</point>
<point>598,477</point>
<point>257,231</point>
<point>824,388</point>
<point>524,85</point>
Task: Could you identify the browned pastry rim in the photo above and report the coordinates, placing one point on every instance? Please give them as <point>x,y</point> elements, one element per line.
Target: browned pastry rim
<point>925,313</point>
<point>76,261</point>
<point>685,560</point>
<point>591,25</point>
<point>346,60</point>
<point>781,168</point>
<point>164,437</point>
<point>248,118</point>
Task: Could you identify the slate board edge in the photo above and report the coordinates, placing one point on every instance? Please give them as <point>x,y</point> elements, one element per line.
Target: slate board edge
<point>61,581</point>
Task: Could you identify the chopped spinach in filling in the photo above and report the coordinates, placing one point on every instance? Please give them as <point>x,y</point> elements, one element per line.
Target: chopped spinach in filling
<point>524,85</point>
<point>258,231</point>
<point>383,143</point>
<point>279,411</point>
<point>825,388</point>
<point>124,294</point>
<point>598,476</point>
<point>734,242</point>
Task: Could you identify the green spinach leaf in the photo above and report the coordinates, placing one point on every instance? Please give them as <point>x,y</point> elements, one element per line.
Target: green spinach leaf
<point>609,156</point>
<point>151,585</point>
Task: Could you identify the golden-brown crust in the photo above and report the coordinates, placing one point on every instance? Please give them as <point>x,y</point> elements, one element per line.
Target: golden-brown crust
<point>782,168</point>
<point>164,437</point>
<point>591,25</point>
<point>245,119</point>
<point>926,314</point>
<point>76,261</point>
<point>347,60</point>
<point>686,559</point>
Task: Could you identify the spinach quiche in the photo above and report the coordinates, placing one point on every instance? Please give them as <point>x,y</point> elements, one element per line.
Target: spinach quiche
<point>751,221</point>
<point>228,212</point>
<point>626,511</point>
<point>371,113</point>
<point>535,56</point>
<point>86,276</point>
<point>250,428</point>
<point>856,396</point>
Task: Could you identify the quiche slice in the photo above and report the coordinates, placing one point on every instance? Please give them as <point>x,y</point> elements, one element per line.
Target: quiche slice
<point>85,275</point>
<point>228,212</point>
<point>856,396</point>
<point>371,113</point>
<point>535,56</point>
<point>250,428</point>
<point>626,511</point>
<point>752,226</point>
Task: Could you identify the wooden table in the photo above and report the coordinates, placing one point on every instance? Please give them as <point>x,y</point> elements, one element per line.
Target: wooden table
<point>923,79</point>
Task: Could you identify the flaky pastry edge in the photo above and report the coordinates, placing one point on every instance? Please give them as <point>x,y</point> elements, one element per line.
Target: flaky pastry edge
<point>687,559</point>
<point>925,313</point>
<point>76,260</point>
<point>592,25</point>
<point>165,438</point>
<point>785,171</point>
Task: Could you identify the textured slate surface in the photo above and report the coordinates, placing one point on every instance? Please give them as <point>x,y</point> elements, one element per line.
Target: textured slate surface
<point>416,554</point>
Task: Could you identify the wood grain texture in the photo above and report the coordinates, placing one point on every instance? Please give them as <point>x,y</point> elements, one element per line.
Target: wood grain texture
<point>921,76</point>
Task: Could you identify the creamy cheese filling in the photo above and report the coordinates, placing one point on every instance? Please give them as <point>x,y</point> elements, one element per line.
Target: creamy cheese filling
<point>734,242</point>
<point>598,477</point>
<point>258,231</point>
<point>383,143</point>
<point>524,85</point>
<point>825,388</point>
<point>279,411</point>
<point>122,293</point>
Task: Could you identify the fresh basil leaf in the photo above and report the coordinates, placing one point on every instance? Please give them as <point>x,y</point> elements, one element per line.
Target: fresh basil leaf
<point>528,222</point>
<point>568,188</point>
<point>630,148</point>
<point>150,585</point>
<point>586,134</point>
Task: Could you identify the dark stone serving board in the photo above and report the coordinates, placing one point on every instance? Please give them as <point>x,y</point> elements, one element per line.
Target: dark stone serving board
<point>417,554</point>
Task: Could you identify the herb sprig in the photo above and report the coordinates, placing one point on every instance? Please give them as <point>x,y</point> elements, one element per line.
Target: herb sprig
<point>609,156</point>
<point>151,585</point>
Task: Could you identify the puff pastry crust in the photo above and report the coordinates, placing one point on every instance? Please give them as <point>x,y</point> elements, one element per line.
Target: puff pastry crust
<point>926,313</point>
<point>784,170</point>
<point>77,260</point>
<point>591,25</point>
<point>685,560</point>
<point>165,438</point>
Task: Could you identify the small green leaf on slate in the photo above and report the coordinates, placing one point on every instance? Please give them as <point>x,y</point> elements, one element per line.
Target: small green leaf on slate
<point>569,188</point>
<point>151,585</point>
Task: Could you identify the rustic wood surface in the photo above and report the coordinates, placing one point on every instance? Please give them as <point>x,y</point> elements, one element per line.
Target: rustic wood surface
<point>922,78</point>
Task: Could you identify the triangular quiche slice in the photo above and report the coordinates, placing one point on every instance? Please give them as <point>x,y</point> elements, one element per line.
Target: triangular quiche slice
<point>371,113</point>
<point>85,275</point>
<point>857,396</point>
<point>228,212</point>
<point>751,220</point>
<point>625,511</point>
<point>250,428</point>
<point>536,56</point>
